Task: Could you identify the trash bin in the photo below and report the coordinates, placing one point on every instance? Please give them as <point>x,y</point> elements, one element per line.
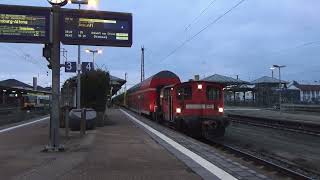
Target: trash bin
<point>75,119</point>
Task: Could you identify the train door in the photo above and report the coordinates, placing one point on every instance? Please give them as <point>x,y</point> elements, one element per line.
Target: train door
<point>158,103</point>
<point>170,106</point>
<point>167,107</point>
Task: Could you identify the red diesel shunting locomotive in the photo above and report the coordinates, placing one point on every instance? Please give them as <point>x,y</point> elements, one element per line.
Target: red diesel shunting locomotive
<point>195,107</point>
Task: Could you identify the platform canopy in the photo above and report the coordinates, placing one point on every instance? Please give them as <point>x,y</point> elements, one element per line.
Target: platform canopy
<point>228,81</point>
<point>116,84</point>
<point>268,80</point>
<point>18,85</point>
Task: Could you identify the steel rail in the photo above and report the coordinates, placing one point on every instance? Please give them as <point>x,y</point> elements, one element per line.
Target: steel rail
<point>292,127</point>
<point>271,165</point>
<point>275,167</point>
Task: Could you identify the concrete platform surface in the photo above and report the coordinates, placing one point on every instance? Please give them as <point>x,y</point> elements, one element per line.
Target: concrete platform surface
<point>271,114</point>
<point>120,150</point>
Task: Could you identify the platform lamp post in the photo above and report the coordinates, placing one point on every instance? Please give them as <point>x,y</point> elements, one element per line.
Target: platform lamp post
<point>79,2</point>
<point>94,52</point>
<point>272,71</point>
<point>280,89</point>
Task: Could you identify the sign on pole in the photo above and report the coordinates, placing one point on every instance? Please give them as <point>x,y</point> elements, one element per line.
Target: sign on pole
<point>70,67</point>
<point>87,66</point>
<point>24,24</point>
<point>97,28</point>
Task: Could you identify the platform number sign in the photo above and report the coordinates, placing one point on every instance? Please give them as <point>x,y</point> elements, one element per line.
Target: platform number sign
<point>70,67</point>
<point>87,66</point>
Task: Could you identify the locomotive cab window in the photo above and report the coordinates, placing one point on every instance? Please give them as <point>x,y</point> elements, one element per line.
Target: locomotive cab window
<point>213,93</point>
<point>184,93</point>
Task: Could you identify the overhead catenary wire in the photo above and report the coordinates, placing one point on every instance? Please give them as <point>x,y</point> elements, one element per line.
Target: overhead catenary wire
<point>193,21</point>
<point>197,18</point>
<point>27,57</point>
<point>203,29</point>
<point>296,47</point>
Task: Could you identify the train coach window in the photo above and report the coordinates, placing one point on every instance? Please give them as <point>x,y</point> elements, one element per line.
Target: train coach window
<point>213,93</point>
<point>184,93</point>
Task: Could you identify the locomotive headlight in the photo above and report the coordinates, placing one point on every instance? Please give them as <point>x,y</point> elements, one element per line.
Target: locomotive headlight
<point>199,86</point>
<point>178,110</point>
<point>221,110</point>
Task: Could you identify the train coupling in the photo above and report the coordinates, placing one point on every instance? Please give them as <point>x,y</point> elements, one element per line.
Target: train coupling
<point>210,124</point>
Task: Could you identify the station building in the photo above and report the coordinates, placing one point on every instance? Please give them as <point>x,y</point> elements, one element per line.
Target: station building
<point>307,93</point>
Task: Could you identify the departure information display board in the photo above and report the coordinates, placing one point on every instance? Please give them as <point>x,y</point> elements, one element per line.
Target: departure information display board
<point>96,28</point>
<point>24,24</point>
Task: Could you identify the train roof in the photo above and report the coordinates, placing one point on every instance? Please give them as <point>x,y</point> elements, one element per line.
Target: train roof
<point>148,82</point>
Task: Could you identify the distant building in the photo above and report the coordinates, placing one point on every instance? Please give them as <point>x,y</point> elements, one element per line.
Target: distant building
<point>307,92</point>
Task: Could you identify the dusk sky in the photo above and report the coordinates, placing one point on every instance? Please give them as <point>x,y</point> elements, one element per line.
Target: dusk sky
<point>245,42</point>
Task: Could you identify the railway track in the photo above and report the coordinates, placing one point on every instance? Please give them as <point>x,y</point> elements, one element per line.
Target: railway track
<point>297,127</point>
<point>283,169</point>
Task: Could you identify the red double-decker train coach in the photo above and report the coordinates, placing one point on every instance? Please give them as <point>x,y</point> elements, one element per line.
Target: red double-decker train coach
<point>144,97</point>
<point>194,107</point>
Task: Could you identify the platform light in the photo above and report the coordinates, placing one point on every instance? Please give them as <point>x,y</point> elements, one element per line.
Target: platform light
<point>4,90</point>
<point>178,110</point>
<point>78,1</point>
<point>13,91</point>
<point>221,110</point>
<point>199,86</point>
<point>93,51</point>
<point>93,3</point>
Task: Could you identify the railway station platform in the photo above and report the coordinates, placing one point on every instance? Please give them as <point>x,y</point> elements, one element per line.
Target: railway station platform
<point>119,150</point>
<point>124,149</point>
<point>253,112</point>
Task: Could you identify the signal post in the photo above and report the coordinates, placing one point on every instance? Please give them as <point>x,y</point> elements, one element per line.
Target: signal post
<point>55,64</point>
